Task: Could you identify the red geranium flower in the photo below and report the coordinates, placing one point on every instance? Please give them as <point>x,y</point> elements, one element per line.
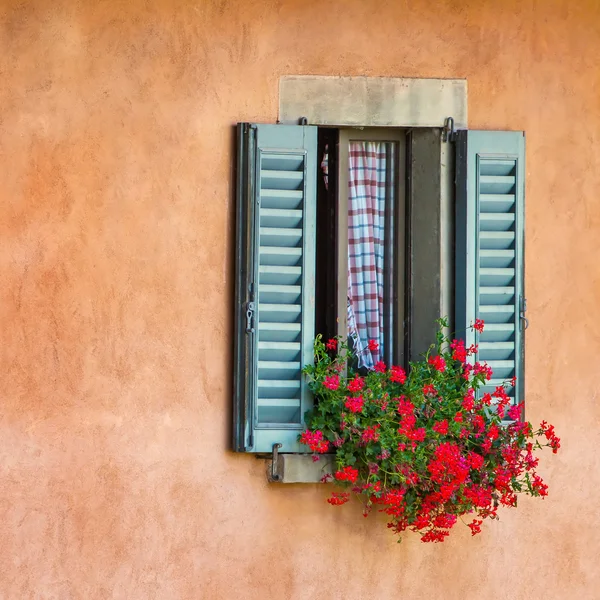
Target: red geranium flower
<point>429,390</point>
<point>478,325</point>
<point>354,405</point>
<point>397,375</point>
<point>332,383</point>
<point>438,363</point>
<point>356,384</point>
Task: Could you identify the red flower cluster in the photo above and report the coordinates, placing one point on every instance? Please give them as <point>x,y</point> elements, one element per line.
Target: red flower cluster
<point>482,368</point>
<point>339,498</point>
<point>478,325</point>
<point>468,402</point>
<point>331,344</point>
<point>332,382</point>
<point>347,474</point>
<point>380,367</point>
<point>429,390</point>
<point>354,404</point>
<point>370,434</point>
<point>373,346</point>
<point>314,440</point>
<point>475,526</point>
<point>397,375</point>
<point>438,363</point>
<point>427,446</point>
<point>459,351</point>
<point>441,427</point>
<point>356,384</point>
<point>550,436</point>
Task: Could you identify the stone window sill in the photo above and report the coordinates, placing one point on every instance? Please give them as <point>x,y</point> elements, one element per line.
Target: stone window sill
<point>300,468</point>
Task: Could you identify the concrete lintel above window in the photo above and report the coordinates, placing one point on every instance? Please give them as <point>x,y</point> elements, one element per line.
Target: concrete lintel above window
<point>372,101</point>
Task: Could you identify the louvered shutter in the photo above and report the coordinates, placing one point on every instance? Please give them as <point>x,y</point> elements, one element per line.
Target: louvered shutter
<point>490,172</point>
<point>275,286</point>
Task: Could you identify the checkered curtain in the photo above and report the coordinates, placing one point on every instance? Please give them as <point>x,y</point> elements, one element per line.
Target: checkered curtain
<point>370,192</point>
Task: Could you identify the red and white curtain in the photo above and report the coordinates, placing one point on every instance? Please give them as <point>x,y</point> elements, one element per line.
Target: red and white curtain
<point>370,193</point>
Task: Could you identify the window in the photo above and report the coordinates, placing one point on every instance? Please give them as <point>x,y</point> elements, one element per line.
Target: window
<point>296,238</point>
<point>366,202</point>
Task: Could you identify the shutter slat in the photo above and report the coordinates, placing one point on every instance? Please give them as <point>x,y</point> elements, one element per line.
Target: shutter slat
<point>281,162</point>
<point>284,199</point>
<point>495,203</point>
<point>276,255</point>
<point>281,180</point>
<point>496,184</point>
<point>277,236</point>
<point>295,176</point>
<point>273,388</point>
<point>276,369</point>
<point>278,274</point>
<point>491,277</point>
<point>494,383</point>
<point>496,221</point>
<point>279,294</point>
<point>497,332</point>
<point>275,217</point>
<point>503,369</point>
<point>496,258</point>
<point>279,327</point>
<point>279,332</point>
<point>279,402</point>
<point>283,351</point>
<point>489,351</point>
<point>497,179</point>
<point>278,413</point>
<point>489,255</point>
<point>280,313</point>
<point>483,346</point>
<point>496,240</point>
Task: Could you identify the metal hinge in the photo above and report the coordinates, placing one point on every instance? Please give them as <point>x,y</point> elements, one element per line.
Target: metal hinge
<point>523,311</point>
<point>448,131</point>
<point>250,308</point>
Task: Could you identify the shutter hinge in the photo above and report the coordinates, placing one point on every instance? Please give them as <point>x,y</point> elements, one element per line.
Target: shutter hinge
<point>250,308</point>
<point>523,311</point>
<point>448,131</point>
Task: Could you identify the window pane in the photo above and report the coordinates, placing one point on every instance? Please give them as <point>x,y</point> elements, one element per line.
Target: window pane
<point>371,199</point>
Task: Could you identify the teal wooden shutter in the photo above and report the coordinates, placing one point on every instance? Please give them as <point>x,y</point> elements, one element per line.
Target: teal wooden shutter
<point>275,284</point>
<point>490,176</point>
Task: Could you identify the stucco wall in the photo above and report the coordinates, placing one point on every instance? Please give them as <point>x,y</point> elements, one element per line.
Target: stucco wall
<point>116,224</point>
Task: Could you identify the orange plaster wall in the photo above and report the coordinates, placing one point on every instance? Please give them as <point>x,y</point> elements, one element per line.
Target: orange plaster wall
<point>116,244</point>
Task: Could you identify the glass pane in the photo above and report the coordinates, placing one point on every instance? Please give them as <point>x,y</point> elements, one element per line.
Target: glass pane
<point>371,199</point>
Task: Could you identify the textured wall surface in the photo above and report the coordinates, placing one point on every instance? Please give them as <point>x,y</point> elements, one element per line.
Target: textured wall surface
<point>116,246</point>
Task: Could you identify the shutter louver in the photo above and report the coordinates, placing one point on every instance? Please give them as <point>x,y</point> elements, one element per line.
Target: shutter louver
<point>489,250</point>
<point>281,281</point>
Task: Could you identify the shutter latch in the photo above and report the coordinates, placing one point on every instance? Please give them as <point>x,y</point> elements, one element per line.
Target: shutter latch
<point>250,308</point>
<point>523,311</point>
